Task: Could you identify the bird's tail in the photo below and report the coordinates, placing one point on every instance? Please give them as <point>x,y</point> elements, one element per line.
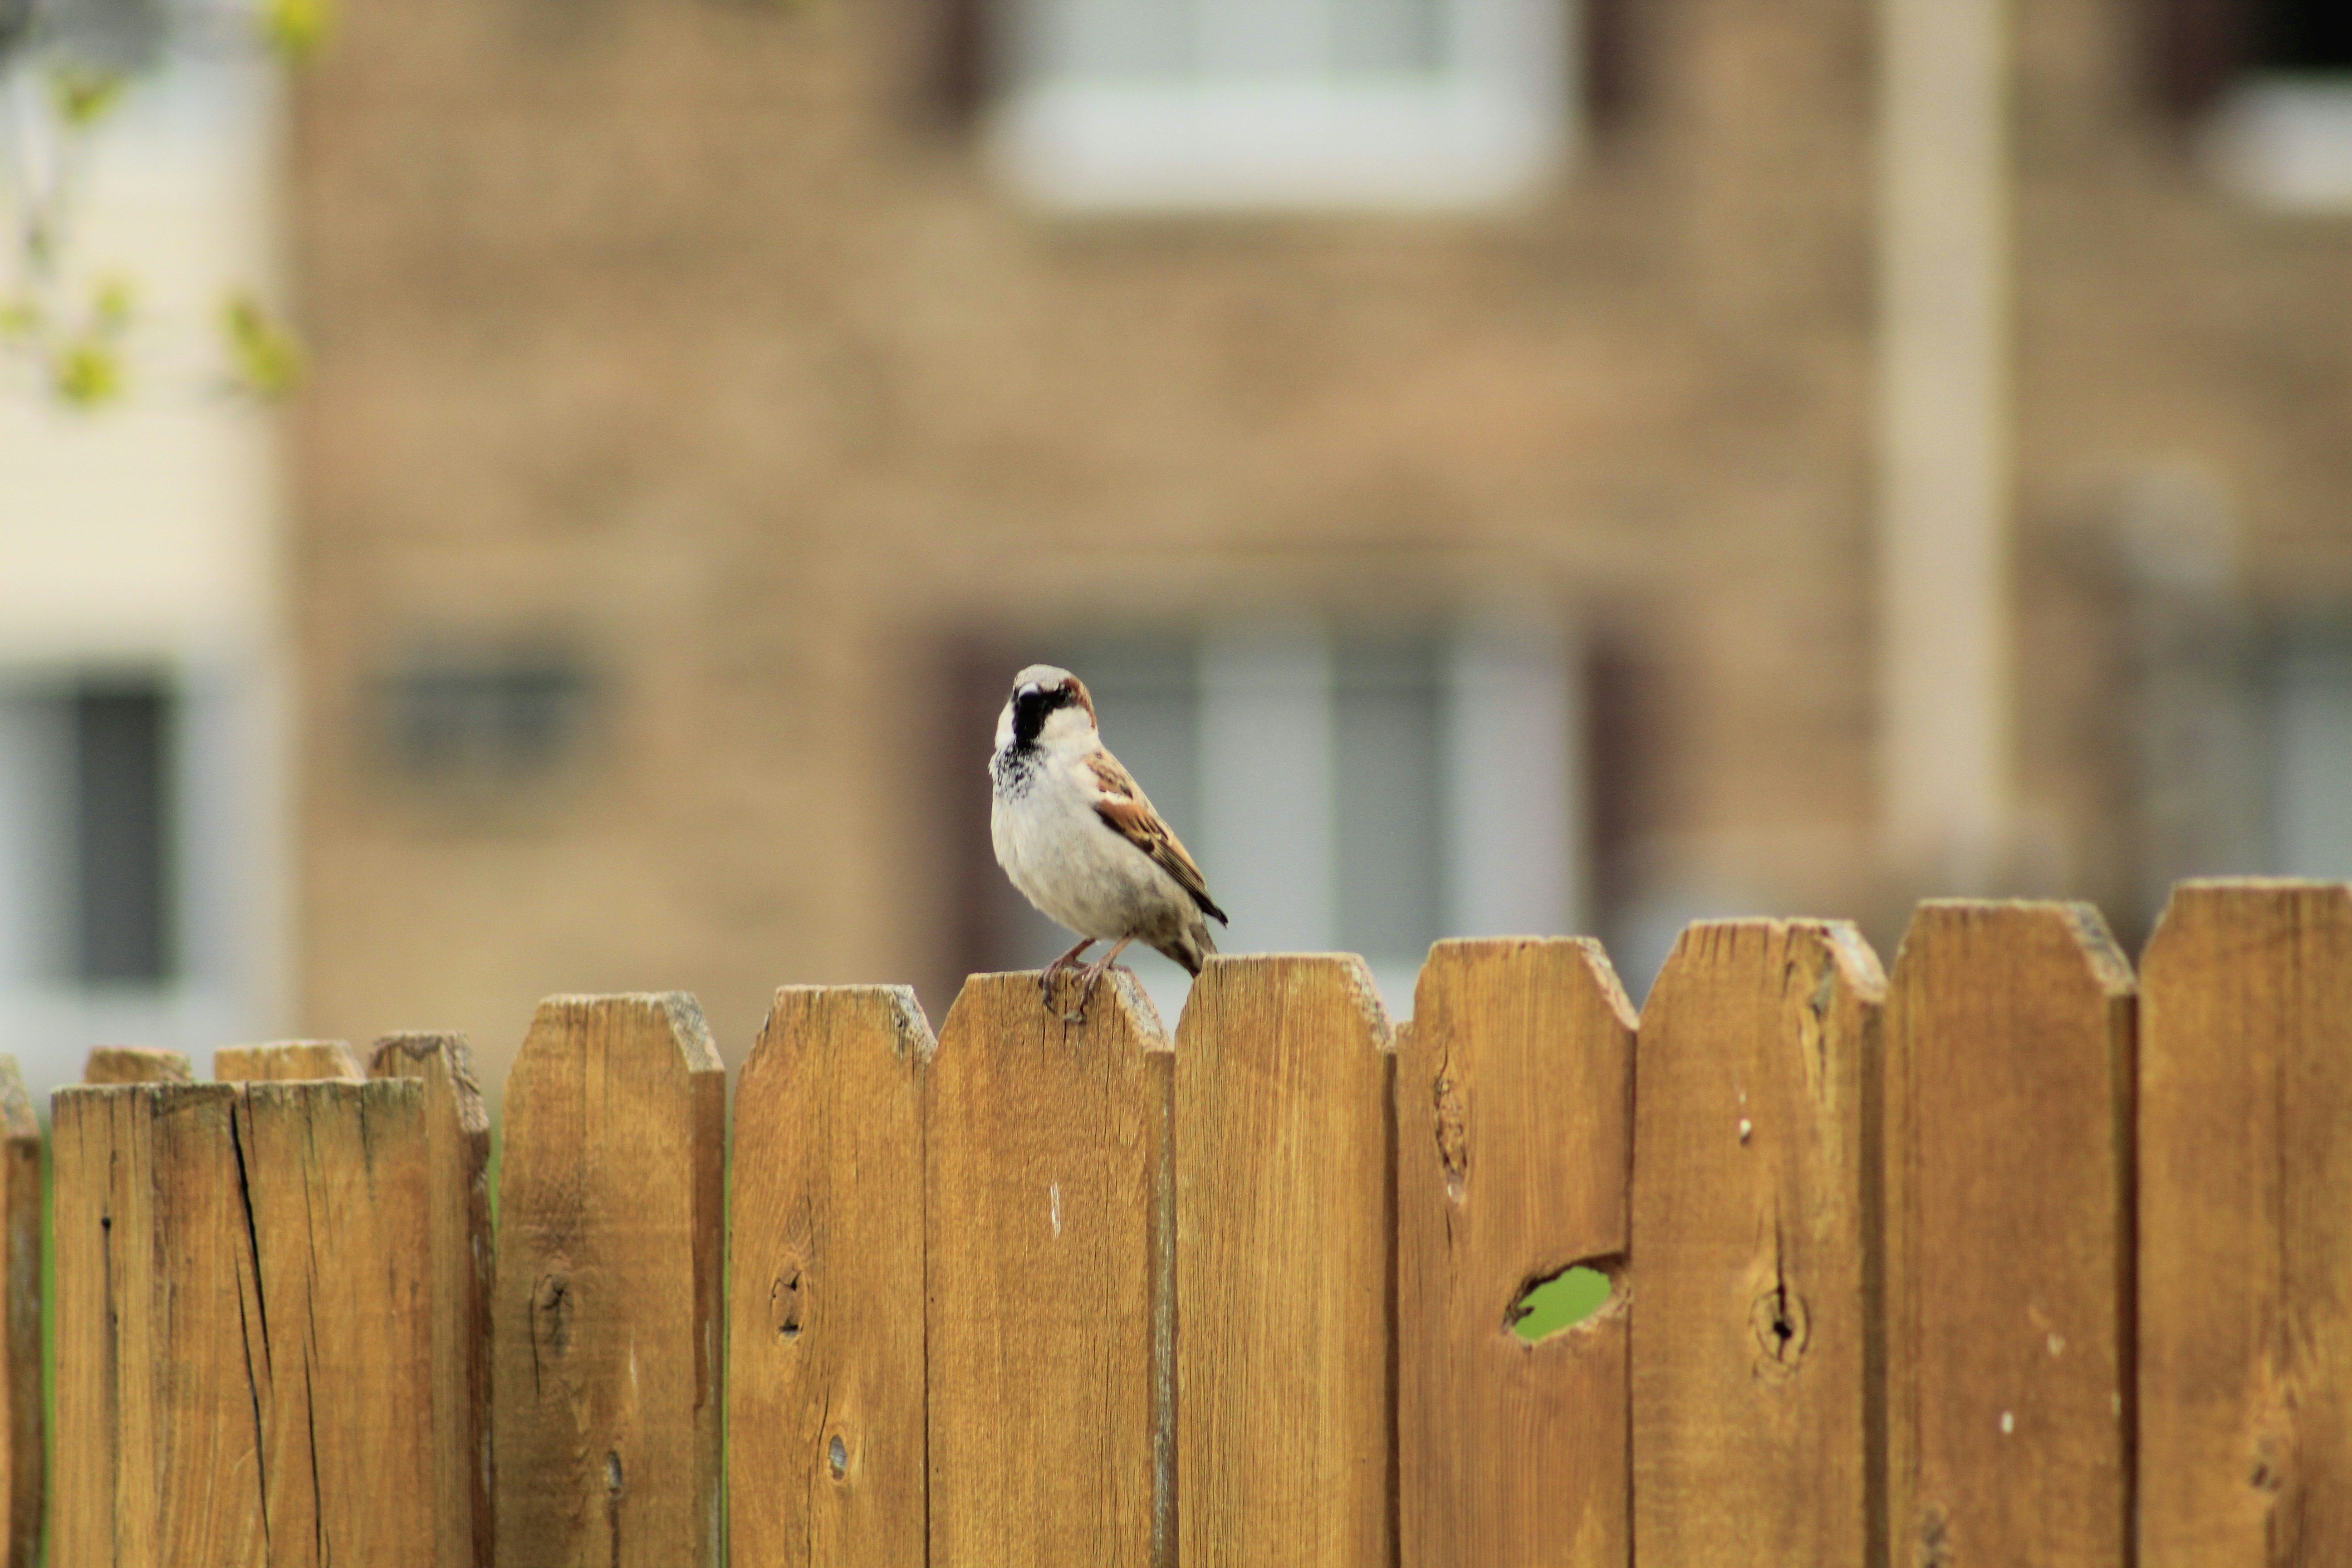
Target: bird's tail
<point>1191,947</point>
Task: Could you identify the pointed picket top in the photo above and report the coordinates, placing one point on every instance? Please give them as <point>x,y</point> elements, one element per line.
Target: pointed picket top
<point>286,1061</point>
<point>2008,1175</point>
<point>1286,1251</point>
<point>1047,1171</point>
<point>826,1270</point>
<point>136,1064</point>
<point>21,1209</point>
<point>1753,1229</point>
<point>2245,1275</point>
<point>1513,1128</point>
<point>607,1308</point>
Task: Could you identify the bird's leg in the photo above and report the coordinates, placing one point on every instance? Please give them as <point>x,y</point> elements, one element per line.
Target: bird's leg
<point>1092,976</point>
<point>1046,980</point>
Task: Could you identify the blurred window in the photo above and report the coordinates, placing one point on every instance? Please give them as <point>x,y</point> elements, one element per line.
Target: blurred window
<point>487,718</point>
<point>87,835</point>
<point>113,35</point>
<point>2282,132</point>
<point>1366,792</point>
<point>1227,104</point>
<point>2311,781</point>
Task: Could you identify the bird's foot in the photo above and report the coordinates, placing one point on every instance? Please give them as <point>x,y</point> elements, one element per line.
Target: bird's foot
<point>1093,975</point>
<point>1053,971</point>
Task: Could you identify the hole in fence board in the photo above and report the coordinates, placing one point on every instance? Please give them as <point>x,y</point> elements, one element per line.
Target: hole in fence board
<point>837,1456</point>
<point>1558,1303</point>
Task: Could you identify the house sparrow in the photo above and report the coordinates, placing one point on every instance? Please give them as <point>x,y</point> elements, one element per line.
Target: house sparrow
<point>1080,839</point>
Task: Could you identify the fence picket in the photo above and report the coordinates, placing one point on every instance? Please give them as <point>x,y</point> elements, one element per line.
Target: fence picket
<point>607,1308</point>
<point>2246,1279</point>
<point>336,1199</point>
<point>1284,1267</point>
<point>1514,1111</point>
<point>135,1064</point>
<point>1754,1204</point>
<point>286,1061</point>
<point>20,1337</point>
<point>1046,1159</point>
<point>154,1273</point>
<point>457,1138</point>
<point>826,1295</point>
<point>2008,1284</point>
<point>246,1356</point>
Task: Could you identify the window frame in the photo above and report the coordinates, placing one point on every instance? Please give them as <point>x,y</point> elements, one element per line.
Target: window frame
<point>1491,128</point>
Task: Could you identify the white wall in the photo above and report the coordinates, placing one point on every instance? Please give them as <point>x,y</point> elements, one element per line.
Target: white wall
<point>145,536</point>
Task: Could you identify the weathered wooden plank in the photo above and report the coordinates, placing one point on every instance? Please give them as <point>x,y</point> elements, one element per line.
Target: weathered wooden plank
<point>1046,1170</point>
<point>2245,1210</point>
<point>135,1064</point>
<point>158,1346</point>
<point>606,1310</point>
<point>286,1061</point>
<point>245,1352</point>
<point>20,1337</point>
<point>1514,1112</point>
<point>458,1138</point>
<point>1285,1256</point>
<point>825,1296</point>
<point>1755,1204</point>
<point>336,1203</point>
<point>2008,1286</point>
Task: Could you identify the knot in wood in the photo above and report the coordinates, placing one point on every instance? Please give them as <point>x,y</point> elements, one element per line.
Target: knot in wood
<point>784,1301</point>
<point>1782,1326</point>
<point>2274,1464</point>
<point>1933,1548</point>
<point>550,1313</point>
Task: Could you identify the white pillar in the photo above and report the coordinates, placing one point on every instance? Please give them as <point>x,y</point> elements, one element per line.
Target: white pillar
<point>1267,819</point>
<point>1514,727</point>
<point>1944,452</point>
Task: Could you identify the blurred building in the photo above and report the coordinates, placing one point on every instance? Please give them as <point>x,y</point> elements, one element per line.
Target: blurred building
<point>1503,464</point>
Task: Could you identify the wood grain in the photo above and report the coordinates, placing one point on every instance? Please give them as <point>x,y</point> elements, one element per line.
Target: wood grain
<point>245,1349</point>
<point>1755,1196</point>
<point>825,1299</point>
<point>135,1064</point>
<point>2245,1369</point>
<point>20,1337</point>
<point>341,1364</point>
<point>156,1313</point>
<point>606,1315</point>
<point>1514,1111</point>
<point>457,1140</point>
<point>1284,1267</point>
<point>1047,1301</point>
<point>286,1061</point>
<point>2009,1282</point>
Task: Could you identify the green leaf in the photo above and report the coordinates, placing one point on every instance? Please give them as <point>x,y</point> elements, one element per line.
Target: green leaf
<point>20,319</point>
<point>297,30</point>
<point>83,95</point>
<point>112,303</point>
<point>264,359</point>
<point>86,373</point>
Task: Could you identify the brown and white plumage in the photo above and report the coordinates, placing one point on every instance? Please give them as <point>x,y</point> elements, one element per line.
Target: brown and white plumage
<point>1079,837</point>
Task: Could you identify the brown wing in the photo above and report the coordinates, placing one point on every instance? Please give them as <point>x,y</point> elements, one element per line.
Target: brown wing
<point>1125,807</point>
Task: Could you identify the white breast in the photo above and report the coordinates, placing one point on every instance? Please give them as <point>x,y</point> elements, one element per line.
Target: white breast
<point>1071,863</point>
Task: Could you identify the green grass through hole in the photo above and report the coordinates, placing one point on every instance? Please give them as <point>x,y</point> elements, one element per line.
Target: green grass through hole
<point>1562,1301</point>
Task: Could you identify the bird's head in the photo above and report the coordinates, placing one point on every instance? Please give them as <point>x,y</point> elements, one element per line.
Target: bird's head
<point>1048,704</point>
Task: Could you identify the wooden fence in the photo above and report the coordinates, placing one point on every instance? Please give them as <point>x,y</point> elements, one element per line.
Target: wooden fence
<point>2013,1259</point>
